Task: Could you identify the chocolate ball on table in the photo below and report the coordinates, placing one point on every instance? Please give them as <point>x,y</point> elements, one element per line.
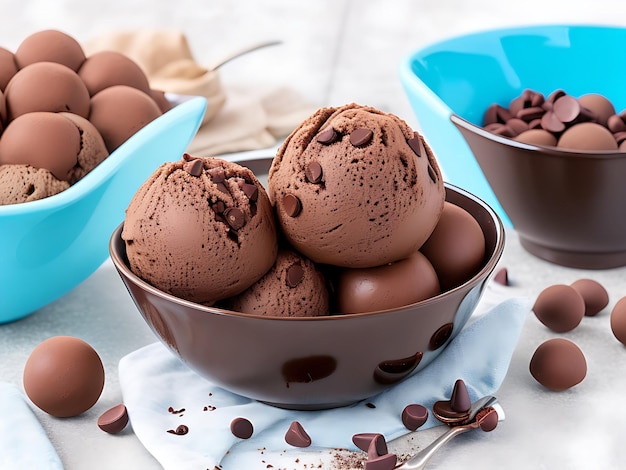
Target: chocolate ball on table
<point>64,376</point>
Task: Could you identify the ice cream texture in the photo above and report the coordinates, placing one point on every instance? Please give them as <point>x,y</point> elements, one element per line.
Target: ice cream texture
<point>356,187</point>
<point>201,229</point>
<point>293,287</point>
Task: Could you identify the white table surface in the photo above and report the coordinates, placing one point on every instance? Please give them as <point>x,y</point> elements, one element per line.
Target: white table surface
<point>334,52</point>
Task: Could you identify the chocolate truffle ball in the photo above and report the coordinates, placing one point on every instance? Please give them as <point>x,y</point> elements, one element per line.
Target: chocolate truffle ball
<point>560,307</point>
<point>587,136</point>
<point>55,148</point>
<point>456,248</point>
<point>618,320</point>
<point>8,67</point>
<point>120,111</point>
<point>388,286</point>
<point>599,105</point>
<point>109,68</point>
<point>46,86</point>
<point>64,376</point>
<point>558,364</point>
<point>50,46</point>
<point>594,294</point>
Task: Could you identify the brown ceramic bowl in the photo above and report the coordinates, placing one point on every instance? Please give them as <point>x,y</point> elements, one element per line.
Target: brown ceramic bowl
<point>320,362</point>
<point>567,206</point>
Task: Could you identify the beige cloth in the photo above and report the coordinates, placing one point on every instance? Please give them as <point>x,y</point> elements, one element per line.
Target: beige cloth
<point>239,117</point>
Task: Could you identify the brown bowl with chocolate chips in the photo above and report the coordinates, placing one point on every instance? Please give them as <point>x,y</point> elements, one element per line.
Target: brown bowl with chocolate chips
<point>532,120</point>
<point>314,362</point>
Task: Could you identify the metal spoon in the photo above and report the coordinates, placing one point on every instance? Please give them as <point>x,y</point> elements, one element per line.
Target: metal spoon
<point>419,461</point>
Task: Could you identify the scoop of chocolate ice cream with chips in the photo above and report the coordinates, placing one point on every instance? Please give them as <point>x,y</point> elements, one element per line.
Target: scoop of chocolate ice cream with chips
<point>294,287</point>
<point>356,187</point>
<point>201,229</point>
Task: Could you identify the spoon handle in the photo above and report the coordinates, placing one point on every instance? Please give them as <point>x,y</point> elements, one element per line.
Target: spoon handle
<point>419,460</point>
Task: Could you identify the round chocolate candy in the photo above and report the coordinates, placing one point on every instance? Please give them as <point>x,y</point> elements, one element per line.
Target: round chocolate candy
<point>587,136</point>
<point>558,364</point>
<point>64,376</point>
<point>618,320</point>
<point>414,416</point>
<point>389,286</point>
<point>456,248</point>
<point>594,294</point>
<point>241,428</point>
<point>560,307</point>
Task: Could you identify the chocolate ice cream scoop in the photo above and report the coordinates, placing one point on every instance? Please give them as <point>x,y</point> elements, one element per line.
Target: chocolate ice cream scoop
<point>92,148</point>
<point>356,187</point>
<point>24,183</point>
<point>201,229</point>
<point>294,287</point>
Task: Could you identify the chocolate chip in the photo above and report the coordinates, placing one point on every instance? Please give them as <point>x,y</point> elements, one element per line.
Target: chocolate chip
<point>250,190</point>
<point>235,218</point>
<point>180,430</point>
<point>188,157</point>
<point>384,462</point>
<point>297,436</point>
<point>292,205</point>
<point>487,419</point>
<point>566,108</point>
<point>327,136</point>
<point>460,401</point>
<point>222,187</point>
<point>377,446</point>
<point>440,336</point>
<point>363,440</point>
<point>194,167</point>
<point>218,207</point>
<point>502,277</point>
<point>313,172</point>
<point>414,416</point>
<point>241,428</point>
<point>114,420</point>
<point>551,123</point>
<point>444,413</point>
<point>530,114</point>
<point>295,274</point>
<point>217,175</point>
<point>415,144</point>
<point>361,136</point>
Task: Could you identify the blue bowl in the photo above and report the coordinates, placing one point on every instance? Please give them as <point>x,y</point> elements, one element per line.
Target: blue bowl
<point>49,246</point>
<point>462,76</point>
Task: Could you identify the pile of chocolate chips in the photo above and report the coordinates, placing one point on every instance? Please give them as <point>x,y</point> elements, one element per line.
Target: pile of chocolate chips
<point>589,122</point>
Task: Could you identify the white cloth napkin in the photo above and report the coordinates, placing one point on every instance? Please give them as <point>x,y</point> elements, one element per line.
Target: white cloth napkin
<point>153,380</point>
<point>19,421</point>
